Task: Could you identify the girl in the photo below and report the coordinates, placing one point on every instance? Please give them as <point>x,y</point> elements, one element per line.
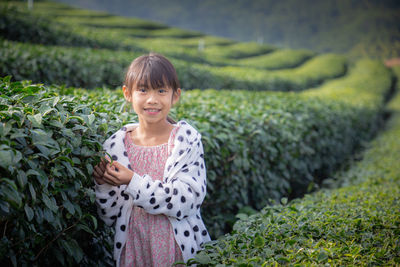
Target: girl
<point>154,187</point>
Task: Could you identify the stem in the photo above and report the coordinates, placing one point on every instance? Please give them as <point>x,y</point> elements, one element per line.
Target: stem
<point>5,228</point>
<point>54,239</point>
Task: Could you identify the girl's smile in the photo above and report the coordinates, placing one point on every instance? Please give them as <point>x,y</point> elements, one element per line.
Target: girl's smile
<point>152,111</point>
<point>152,105</point>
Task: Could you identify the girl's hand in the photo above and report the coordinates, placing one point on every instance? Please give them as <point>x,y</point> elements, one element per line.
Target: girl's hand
<point>98,171</point>
<point>117,174</point>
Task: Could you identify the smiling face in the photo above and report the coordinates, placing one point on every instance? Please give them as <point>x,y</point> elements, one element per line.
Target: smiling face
<point>152,86</point>
<point>151,105</point>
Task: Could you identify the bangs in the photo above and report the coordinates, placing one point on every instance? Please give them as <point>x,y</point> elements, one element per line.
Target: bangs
<point>150,78</point>
<point>151,72</point>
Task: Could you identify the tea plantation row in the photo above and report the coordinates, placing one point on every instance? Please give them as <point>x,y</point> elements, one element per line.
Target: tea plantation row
<point>356,225</point>
<point>85,67</point>
<point>268,145</point>
<point>75,66</point>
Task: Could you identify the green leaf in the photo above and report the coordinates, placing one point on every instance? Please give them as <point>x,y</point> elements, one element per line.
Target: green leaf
<point>259,242</point>
<point>33,192</point>
<point>6,128</point>
<point>73,249</point>
<point>91,118</point>
<point>55,101</point>
<point>85,228</point>
<point>68,205</point>
<point>4,207</point>
<point>50,202</point>
<point>36,120</point>
<point>29,212</point>
<point>322,256</point>
<point>6,157</point>
<point>203,258</point>
<point>11,195</point>
<point>48,216</point>
<point>94,220</point>
<point>77,118</point>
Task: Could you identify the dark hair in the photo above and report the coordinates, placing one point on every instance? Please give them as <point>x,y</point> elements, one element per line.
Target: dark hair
<point>152,71</point>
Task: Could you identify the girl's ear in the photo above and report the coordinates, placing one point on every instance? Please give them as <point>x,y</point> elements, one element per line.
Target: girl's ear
<point>127,93</point>
<point>176,95</point>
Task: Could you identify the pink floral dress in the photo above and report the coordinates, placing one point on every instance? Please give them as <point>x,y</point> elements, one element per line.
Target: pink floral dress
<point>150,240</point>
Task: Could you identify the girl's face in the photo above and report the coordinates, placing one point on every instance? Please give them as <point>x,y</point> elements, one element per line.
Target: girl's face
<point>151,105</point>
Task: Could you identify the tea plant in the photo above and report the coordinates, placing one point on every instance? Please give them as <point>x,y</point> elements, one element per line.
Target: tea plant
<point>358,224</point>
<point>49,145</point>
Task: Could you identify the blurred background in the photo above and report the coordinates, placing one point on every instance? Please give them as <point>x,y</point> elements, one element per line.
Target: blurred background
<point>355,27</point>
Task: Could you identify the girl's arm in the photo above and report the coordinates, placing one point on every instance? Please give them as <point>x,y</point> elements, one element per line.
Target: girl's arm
<point>108,197</point>
<point>182,194</point>
<point>109,200</point>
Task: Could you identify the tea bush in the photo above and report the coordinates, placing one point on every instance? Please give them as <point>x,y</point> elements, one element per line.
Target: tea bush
<point>259,146</point>
<point>278,59</point>
<point>196,69</point>
<point>238,50</point>
<point>310,74</point>
<point>25,27</point>
<point>262,146</point>
<point>89,68</point>
<point>286,142</point>
<point>83,67</point>
<point>49,143</point>
<point>80,67</point>
<point>358,224</point>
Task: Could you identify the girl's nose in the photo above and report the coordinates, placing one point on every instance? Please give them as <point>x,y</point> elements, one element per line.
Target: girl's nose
<point>152,99</point>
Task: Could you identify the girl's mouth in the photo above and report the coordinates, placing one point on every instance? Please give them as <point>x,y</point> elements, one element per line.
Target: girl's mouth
<point>152,111</point>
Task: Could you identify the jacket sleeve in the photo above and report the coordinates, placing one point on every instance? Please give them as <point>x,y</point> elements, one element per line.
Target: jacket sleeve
<point>109,201</point>
<point>181,194</point>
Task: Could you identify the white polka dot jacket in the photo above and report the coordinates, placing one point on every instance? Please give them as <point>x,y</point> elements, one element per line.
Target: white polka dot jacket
<point>179,196</point>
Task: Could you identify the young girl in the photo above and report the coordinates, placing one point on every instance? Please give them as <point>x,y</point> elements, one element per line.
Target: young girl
<point>154,187</point>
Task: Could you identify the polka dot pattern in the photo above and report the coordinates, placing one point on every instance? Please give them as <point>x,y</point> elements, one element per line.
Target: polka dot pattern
<point>182,208</point>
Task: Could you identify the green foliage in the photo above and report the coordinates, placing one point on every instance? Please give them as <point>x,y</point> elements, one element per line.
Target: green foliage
<point>63,65</point>
<point>260,147</point>
<point>279,59</point>
<point>238,50</point>
<point>282,143</point>
<point>285,142</point>
<point>354,225</point>
<point>49,144</point>
<point>359,28</point>
<point>216,66</point>
<point>101,67</point>
<point>25,27</point>
<point>309,74</point>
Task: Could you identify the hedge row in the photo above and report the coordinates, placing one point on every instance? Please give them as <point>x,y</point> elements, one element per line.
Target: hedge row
<point>80,67</point>
<point>50,138</point>
<point>49,144</point>
<point>309,74</point>
<point>85,67</point>
<point>238,50</point>
<point>286,142</point>
<point>278,59</point>
<point>357,225</point>
<point>115,32</point>
<point>264,145</point>
<point>25,27</point>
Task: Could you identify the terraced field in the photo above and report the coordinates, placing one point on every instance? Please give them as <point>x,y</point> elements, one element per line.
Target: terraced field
<point>276,124</point>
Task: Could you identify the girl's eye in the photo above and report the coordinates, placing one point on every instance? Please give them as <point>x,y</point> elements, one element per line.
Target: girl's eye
<point>162,91</point>
<point>142,90</point>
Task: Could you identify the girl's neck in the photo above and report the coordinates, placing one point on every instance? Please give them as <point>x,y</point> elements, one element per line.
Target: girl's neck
<point>150,134</point>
